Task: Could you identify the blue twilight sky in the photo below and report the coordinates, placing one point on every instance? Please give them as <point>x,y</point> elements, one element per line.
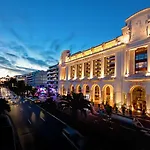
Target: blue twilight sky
<point>33,33</point>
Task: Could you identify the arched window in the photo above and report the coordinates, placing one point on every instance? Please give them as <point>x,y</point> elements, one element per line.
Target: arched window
<point>97,92</point>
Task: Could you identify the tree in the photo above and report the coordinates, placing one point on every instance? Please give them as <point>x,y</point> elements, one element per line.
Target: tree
<point>4,106</point>
<point>33,91</point>
<point>21,87</point>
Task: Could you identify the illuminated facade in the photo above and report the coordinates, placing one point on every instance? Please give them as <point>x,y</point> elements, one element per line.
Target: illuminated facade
<point>117,71</point>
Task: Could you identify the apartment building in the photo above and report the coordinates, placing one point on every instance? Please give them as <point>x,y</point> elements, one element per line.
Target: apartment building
<point>37,78</point>
<point>52,76</point>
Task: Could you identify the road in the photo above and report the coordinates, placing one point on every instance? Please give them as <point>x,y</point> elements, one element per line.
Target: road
<point>36,129</point>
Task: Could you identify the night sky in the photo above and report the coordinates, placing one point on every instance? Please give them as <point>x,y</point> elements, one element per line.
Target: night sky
<point>33,33</point>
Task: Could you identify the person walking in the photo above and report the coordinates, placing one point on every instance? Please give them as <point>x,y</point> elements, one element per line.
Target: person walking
<point>130,111</point>
<point>123,109</point>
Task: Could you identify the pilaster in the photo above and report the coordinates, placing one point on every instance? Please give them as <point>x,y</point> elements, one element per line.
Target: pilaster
<point>91,69</point>
<point>82,70</point>
<point>75,74</point>
<point>66,70</point>
<point>127,62</point>
<point>102,66</point>
<point>69,72</point>
<point>148,60</point>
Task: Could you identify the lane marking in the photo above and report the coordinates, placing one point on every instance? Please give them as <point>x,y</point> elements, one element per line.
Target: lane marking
<point>52,115</point>
<point>29,121</point>
<point>127,128</point>
<point>29,106</point>
<point>42,118</point>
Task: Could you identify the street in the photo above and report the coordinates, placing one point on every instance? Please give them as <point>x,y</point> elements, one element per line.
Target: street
<point>36,129</point>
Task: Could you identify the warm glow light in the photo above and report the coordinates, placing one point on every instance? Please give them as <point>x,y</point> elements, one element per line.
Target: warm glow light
<point>126,75</point>
<point>147,74</point>
<point>113,76</point>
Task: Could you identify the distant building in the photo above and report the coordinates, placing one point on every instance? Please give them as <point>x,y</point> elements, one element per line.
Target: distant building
<point>37,78</point>
<point>52,76</point>
<point>20,77</point>
<point>3,79</point>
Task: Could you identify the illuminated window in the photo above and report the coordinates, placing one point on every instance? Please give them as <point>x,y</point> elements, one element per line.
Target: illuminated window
<point>97,94</point>
<point>141,60</point>
<point>97,68</point>
<point>72,72</point>
<point>109,65</point>
<point>87,69</point>
<point>79,70</point>
<point>87,89</point>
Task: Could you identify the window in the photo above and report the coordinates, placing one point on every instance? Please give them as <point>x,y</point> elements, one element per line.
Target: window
<point>141,60</point>
<point>97,94</point>
<point>72,72</point>
<point>97,68</point>
<point>87,69</point>
<point>109,63</point>
<point>79,70</point>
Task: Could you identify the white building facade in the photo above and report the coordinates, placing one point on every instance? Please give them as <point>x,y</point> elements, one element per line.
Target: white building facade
<point>52,76</point>
<point>117,71</point>
<point>37,78</point>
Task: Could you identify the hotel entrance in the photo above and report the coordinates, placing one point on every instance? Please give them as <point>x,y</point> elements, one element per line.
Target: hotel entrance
<point>138,98</point>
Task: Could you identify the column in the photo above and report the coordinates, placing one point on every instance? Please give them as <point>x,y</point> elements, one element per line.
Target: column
<point>131,62</point>
<point>82,70</point>
<point>148,60</point>
<point>69,72</point>
<point>102,96</point>
<point>116,65</point>
<point>75,75</point>
<point>102,66</point>
<point>66,70</point>
<point>91,69</point>
<point>127,62</point>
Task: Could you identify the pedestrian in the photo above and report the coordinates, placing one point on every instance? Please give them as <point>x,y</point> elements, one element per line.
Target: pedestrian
<point>123,109</point>
<point>143,112</point>
<point>116,110</point>
<point>130,112</point>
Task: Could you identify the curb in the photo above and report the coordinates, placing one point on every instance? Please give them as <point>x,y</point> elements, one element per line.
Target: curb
<point>15,134</point>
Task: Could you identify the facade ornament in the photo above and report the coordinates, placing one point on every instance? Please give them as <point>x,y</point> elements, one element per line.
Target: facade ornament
<point>148,27</point>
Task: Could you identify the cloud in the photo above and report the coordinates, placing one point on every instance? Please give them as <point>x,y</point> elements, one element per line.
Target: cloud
<point>36,61</point>
<point>11,55</point>
<point>5,62</point>
<point>26,69</point>
<point>19,54</point>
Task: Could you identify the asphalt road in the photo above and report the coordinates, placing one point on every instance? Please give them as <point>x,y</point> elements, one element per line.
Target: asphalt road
<point>37,130</point>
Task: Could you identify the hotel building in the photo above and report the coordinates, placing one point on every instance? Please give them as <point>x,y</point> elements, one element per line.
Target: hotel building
<point>117,71</point>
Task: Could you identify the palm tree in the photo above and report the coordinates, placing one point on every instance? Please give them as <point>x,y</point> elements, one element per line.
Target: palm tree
<point>4,106</point>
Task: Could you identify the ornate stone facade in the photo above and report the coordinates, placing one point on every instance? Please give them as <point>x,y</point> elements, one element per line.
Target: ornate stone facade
<point>117,71</point>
